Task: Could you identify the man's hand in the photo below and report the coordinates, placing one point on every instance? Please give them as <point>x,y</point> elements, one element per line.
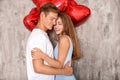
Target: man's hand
<point>68,70</point>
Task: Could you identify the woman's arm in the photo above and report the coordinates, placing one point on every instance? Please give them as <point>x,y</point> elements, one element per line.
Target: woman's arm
<point>62,53</point>
<point>40,67</point>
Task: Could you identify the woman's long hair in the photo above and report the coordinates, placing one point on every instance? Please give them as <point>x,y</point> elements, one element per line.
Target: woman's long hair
<point>70,31</point>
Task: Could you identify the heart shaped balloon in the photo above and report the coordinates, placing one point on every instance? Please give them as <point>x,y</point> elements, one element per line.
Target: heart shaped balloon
<point>30,21</point>
<point>61,4</point>
<point>72,2</point>
<point>78,13</point>
<point>34,11</point>
<point>35,1</point>
<point>39,3</point>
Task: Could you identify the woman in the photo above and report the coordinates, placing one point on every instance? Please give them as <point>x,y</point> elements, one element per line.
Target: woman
<point>66,49</point>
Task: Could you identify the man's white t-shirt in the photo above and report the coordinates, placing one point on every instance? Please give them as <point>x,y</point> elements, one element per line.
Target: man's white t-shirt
<point>39,39</point>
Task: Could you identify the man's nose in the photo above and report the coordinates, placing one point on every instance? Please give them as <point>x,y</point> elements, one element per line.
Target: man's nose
<point>54,22</point>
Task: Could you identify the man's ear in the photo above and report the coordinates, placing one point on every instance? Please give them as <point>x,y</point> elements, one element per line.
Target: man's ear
<point>42,14</point>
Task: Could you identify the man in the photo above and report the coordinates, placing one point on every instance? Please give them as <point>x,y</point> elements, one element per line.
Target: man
<point>37,69</point>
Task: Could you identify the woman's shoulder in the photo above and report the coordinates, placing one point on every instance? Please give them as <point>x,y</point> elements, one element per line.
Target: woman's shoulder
<point>64,39</point>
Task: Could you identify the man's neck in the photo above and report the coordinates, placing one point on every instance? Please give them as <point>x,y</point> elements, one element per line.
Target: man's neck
<point>41,27</point>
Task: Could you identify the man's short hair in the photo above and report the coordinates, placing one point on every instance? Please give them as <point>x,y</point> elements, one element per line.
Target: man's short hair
<point>48,7</point>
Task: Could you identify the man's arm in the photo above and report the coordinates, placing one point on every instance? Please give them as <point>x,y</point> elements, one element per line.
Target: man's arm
<point>63,47</point>
<point>39,67</point>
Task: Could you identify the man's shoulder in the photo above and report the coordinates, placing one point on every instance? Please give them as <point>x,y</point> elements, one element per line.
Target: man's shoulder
<point>37,37</point>
<point>37,34</point>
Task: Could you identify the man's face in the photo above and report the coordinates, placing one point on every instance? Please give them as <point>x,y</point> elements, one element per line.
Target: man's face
<point>50,20</point>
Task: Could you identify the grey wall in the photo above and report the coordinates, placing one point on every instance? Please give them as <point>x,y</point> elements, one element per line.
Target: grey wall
<point>99,40</point>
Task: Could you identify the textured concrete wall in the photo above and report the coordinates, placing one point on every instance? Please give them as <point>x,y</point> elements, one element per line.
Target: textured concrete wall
<point>13,37</point>
<point>99,40</point>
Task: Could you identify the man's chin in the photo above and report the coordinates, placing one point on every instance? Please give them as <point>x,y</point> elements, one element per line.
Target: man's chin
<point>50,28</point>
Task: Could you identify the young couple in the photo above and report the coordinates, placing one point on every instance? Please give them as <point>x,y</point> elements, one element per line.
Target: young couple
<point>42,62</point>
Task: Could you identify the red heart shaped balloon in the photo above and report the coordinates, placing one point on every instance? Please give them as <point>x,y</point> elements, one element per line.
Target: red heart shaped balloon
<point>34,11</point>
<point>78,13</point>
<point>30,21</point>
<point>72,2</point>
<point>35,1</point>
<point>61,4</point>
<point>77,23</point>
<point>39,3</point>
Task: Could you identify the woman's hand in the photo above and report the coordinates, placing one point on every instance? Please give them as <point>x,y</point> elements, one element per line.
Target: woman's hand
<point>68,70</point>
<point>37,53</point>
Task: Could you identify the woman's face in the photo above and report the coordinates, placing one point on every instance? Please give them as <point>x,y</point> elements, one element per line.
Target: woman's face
<point>58,28</point>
